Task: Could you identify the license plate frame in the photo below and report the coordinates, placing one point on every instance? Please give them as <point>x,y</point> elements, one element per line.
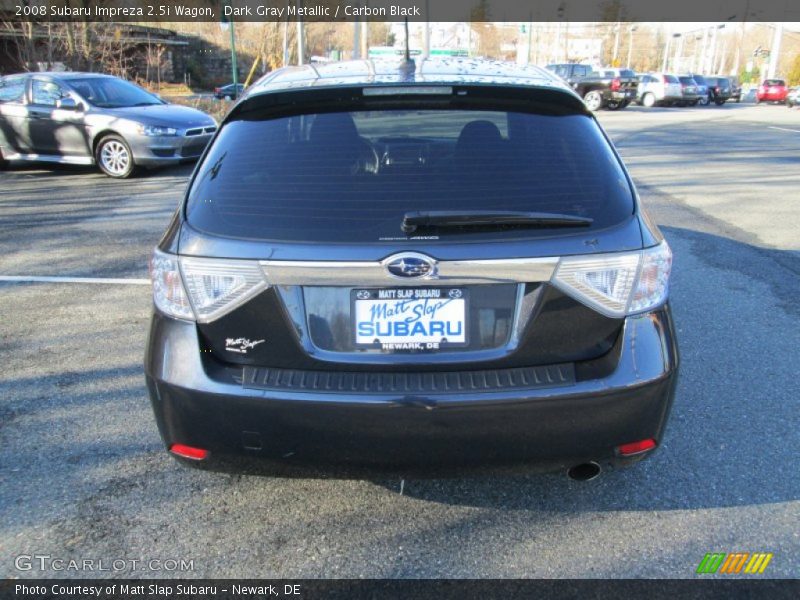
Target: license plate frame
<point>412,296</point>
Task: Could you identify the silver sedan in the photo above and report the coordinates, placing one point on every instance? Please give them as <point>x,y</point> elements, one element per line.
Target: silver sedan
<point>88,118</point>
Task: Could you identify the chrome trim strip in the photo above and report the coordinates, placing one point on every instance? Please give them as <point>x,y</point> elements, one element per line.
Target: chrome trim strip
<point>448,272</point>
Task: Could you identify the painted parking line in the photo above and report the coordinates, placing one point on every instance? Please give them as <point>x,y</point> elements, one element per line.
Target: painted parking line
<point>785,129</point>
<point>43,279</point>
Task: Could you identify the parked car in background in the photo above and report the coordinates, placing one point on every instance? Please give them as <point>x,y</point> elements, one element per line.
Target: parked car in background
<point>659,89</point>
<point>570,72</point>
<point>689,93</point>
<point>411,273</point>
<point>607,88</point>
<point>793,97</point>
<point>702,88</point>
<point>736,88</point>
<point>229,92</point>
<point>89,118</point>
<point>719,89</point>
<point>772,90</point>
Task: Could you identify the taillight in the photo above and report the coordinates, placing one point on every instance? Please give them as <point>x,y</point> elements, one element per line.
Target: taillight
<point>716,89</point>
<point>635,448</point>
<point>620,283</point>
<point>615,84</point>
<point>169,294</point>
<point>191,452</point>
<point>203,289</point>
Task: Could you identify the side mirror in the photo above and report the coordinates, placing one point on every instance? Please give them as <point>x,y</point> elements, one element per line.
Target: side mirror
<point>67,103</point>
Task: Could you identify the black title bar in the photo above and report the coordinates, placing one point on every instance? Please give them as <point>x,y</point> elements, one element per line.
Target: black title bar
<point>398,10</point>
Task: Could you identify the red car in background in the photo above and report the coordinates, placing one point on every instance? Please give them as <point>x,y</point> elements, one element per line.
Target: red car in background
<point>772,90</point>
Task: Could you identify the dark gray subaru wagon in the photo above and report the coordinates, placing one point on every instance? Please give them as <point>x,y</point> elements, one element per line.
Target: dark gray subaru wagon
<point>441,264</point>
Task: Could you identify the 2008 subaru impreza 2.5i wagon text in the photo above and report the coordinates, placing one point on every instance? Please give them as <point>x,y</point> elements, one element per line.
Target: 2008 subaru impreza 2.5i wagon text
<point>409,266</point>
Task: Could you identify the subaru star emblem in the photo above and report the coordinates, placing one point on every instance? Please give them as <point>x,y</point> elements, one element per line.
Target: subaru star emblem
<point>410,265</point>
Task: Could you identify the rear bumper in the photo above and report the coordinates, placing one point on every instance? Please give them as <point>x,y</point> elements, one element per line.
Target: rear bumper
<point>771,97</point>
<point>620,96</point>
<point>548,428</point>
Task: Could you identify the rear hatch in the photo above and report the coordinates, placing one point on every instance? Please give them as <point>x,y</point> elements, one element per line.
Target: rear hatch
<point>672,87</point>
<point>689,86</point>
<point>409,232</point>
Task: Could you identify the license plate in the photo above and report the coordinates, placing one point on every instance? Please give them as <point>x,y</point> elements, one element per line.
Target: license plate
<point>410,318</point>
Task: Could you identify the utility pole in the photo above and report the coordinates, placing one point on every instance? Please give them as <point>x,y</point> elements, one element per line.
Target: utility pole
<point>426,37</point>
<point>667,40</point>
<point>631,29</point>
<point>713,57</point>
<point>301,40</point>
<point>234,65</point>
<point>701,64</point>
<point>741,39</point>
<point>364,39</point>
<point>285,43</point>
<point>356,40</point>
<point>530,35</point>
<point>678,53</point>
<point>775,51</point>
<point>616,45</point>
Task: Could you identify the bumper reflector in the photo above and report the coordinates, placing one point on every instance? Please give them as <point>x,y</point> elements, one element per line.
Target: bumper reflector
<point>188,452</point>
<point>636,447</point>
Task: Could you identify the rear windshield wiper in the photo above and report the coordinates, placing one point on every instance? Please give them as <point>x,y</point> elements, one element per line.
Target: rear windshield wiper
<point>477,218</point>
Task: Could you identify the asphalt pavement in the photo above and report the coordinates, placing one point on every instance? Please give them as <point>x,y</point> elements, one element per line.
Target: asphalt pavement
<point>83,474</point>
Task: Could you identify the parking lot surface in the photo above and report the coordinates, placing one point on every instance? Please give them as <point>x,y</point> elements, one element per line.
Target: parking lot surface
<point>83,474</point>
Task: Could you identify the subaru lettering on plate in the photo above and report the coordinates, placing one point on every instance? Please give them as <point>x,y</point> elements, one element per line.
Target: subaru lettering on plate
<point>410,318</point>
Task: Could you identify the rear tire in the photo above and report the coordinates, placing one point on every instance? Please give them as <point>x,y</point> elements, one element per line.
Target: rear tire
<point>4,162</point>
<point>695,102</point>
<point>593,100</point>
<point>703,101</point>
<point>719,102</point>
<point>114,157</point>
<point>615,105</point>
<point>648,100</point>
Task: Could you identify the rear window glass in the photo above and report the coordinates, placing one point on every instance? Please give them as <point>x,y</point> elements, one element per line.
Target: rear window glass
<point>351,177</point>
<point>671,79</point>
<point>626,73</point>
<point>687,80</point>
<point>699,80</point>
<point>774,82</point>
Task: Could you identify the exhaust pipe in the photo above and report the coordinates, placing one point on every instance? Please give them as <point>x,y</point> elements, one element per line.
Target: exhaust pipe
<point>584,471</point>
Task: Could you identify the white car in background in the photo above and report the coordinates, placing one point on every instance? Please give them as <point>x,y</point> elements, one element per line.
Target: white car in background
<point>659,88</point>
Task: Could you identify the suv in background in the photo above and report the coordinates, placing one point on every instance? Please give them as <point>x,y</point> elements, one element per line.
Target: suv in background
<point>689,91</point>
<point>411,273</point>
<point>736,88</point>
<point>659,89</point>
<point>702,88</point>
<point>719,89</point>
